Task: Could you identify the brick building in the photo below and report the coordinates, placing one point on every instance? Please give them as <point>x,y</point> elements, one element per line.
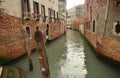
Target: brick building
<point>18,21</point>
<point>62,14</point>
<point>75,16</point>
<point>100,26</point>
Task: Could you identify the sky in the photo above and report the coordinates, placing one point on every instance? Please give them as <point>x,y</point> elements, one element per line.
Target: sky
<point>72,3</point>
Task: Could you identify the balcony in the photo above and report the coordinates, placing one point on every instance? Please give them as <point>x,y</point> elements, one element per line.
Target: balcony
<point>37,17</point>
<point>27,15</point>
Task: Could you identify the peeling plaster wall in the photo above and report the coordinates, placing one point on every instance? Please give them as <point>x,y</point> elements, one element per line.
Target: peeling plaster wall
<point>12,40</point>
<point>109,44</point>
<point>12,7</point>
<point>12,35</point>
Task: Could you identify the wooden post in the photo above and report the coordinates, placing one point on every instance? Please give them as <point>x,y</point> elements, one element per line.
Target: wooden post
<point>44,65</point>
<point>27,39</point>
<point>29,54</point>
<point>28,43</point>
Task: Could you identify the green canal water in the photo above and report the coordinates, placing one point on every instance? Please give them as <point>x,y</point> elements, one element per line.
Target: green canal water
<point>69,57</point>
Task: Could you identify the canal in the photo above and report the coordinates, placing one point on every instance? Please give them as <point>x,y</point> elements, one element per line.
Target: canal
<point>69,57</point>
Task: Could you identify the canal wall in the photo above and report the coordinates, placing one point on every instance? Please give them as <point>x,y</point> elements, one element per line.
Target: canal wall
<point>56,29</point>
<point>108,47</point>
<point>12,37</point>
<point>100,28</point>
<point>103,58</point>
<point>13,32</point>
<point>19,19</point>
<point>12,41</point>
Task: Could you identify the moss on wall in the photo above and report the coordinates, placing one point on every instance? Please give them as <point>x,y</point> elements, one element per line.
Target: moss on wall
<point>3,59</point>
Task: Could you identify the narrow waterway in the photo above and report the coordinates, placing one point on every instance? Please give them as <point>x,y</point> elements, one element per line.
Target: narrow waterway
<point>69,57</point>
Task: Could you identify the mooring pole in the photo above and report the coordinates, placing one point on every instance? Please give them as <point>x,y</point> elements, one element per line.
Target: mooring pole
<point>44,65</point>
<point>29,54</point>
<point>26,38</point>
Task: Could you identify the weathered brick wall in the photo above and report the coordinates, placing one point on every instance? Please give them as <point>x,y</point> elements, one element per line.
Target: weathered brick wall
<point>93,39</point>
<point>43,30</point>
<point>12,37</point>
<point>76,23</point>
<point>12,40</point>
<point>87,34</point>
<point>62,29</point>
<point>109,47</point>
<point>56,29</point>
<point>106,45</point>
<point>32,25</point>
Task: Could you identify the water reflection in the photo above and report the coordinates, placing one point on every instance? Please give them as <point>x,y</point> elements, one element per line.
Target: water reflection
<point>73,66</point>
<point>69,57</point>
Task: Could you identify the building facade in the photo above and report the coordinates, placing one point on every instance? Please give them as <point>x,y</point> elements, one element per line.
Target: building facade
<point>70,16</point>
<point>62,14</point>
<point>75,16</point>
<point>102,27</point>
<point>18,22</point>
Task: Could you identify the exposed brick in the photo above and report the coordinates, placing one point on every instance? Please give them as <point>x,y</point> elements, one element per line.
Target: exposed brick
<point>105,46</point>
<point>12,35</point>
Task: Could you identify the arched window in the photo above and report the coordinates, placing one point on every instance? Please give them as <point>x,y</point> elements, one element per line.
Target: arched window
<point>28,31</point>
<point>117,27</point>
<point>93,25</point>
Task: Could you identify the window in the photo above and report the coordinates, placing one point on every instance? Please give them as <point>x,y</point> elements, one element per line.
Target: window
<point>43,12</point>
<point>26,8</point>
<point>57,15</point>
<point>49,14</point>
<point>97,1</point>
<point>1,8</point>
<point>36,10</point>
<point>93,25</point>
<point>54,14</point>
<point>28,31</point>
<point>118,4</point>
<point>117,27</point>
<point>47,30</point>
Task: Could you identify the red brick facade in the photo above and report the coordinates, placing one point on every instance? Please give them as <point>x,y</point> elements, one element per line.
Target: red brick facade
<point>56,29</point>
<point>76,23</point>
<point>12,34</point>
<point>12,40</point>
<point>105,45</point>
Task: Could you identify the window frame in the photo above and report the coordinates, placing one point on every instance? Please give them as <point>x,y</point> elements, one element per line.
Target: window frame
<point>28,33</point>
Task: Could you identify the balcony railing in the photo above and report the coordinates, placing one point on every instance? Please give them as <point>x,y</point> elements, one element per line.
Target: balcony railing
<point>27,15</point>
<point>37,17</point>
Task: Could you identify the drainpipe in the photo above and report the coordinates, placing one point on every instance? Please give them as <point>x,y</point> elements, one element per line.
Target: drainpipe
<point>106,17</point>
